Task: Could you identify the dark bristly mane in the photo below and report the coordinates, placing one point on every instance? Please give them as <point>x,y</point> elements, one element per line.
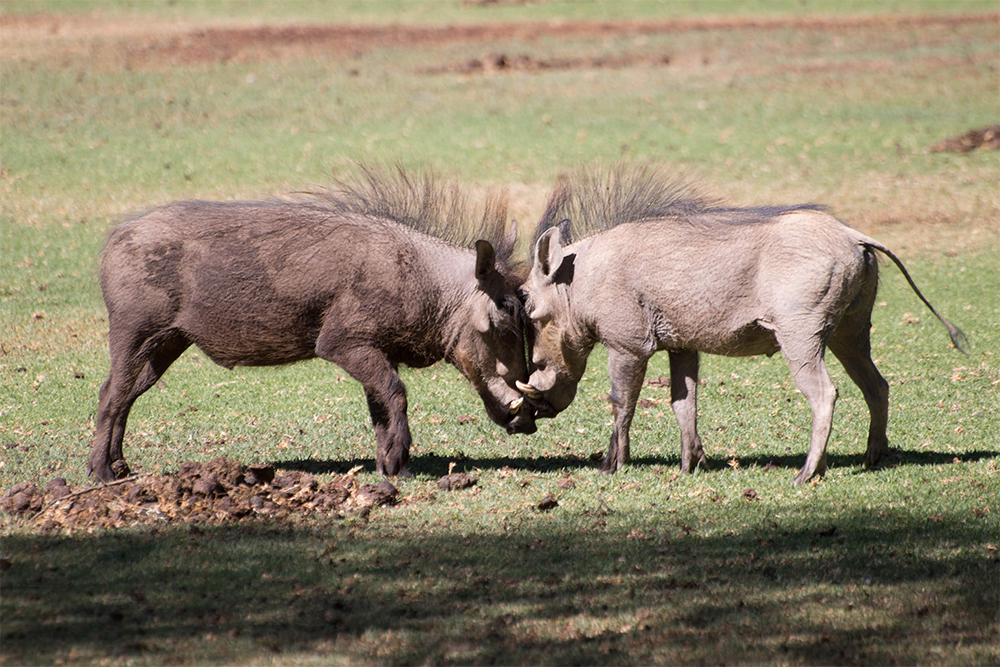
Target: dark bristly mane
<point>593,201</point>
<point>419,201</point>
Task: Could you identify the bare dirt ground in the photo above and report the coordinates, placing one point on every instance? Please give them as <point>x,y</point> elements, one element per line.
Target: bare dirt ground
<point>986,138</point>
<point>159,42</point>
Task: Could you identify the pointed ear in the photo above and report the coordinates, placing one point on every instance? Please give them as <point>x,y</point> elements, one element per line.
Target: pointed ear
<point>485,261</point>
<point>549,253</point>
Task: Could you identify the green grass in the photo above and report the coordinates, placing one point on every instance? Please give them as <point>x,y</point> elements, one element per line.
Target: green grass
<point>895,565</point>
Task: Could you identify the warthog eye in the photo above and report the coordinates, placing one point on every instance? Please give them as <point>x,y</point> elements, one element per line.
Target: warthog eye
<point>526,301</point>
<point>509,315</point>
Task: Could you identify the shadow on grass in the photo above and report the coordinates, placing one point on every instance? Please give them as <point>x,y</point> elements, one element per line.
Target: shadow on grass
<point>883,589</point>
<point>436,466</point>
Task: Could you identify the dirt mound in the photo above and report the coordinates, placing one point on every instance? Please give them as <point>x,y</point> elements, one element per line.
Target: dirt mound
<point>219,491</point>
<point>987,138</point>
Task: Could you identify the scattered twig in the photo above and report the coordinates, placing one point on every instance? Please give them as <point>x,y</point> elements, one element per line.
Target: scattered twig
<point>603,505</point>
<point>98,487</point>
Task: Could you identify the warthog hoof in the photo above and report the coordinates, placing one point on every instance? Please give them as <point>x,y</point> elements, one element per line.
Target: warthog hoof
<point>804,476</point>
<point>403,472</point>
<point>611,464</point>
<point>875,452</point>
<point>690,467</point>
<point>120,469</point>
<point>109,472</point>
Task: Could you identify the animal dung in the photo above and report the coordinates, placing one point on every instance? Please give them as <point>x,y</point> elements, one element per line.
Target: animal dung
<point>457,480</point>
<point>215,492</point>
<point>547,503</point>
<point>370,495</point>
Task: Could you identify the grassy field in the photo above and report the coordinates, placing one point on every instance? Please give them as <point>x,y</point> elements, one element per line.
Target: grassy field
<point>767,103</point>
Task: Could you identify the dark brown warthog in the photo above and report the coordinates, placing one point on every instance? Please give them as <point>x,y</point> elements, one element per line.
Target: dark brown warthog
<point>371,275</point>
<point>658,268</point>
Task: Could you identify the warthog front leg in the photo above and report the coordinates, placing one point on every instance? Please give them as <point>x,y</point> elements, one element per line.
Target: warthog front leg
<point>386,396</point>
<point>627,372</point>
<point>684,401</point>
<point>392,434</point>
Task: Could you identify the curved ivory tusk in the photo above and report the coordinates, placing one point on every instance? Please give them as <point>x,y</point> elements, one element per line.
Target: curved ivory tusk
<point>515,405</point>
<point>527,389</point>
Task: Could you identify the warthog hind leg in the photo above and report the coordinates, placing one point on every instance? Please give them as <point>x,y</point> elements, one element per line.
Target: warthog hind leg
<point>134,369</point>
<point>852,346</point>
<point>813,380</point>
<point>876,393</point>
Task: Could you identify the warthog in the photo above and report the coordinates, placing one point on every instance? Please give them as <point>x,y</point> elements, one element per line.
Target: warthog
<point>656,267</point>
<point>374,273</point>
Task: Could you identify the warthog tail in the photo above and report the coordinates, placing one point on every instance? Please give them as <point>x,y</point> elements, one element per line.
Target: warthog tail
<point>958,338</point>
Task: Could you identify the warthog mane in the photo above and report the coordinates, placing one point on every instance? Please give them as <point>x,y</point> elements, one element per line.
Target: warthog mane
<point>592,200</point>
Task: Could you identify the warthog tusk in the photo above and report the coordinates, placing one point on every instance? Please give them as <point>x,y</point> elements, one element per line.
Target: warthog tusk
<point>527,389</point>
<point>515,405</point>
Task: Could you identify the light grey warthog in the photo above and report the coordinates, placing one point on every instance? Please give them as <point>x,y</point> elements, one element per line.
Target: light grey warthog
<point>375,273</point>
<point>642,264</point>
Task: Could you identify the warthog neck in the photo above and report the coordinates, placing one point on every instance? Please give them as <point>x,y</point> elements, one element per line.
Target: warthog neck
<point>577,295</point>
<point>450,274</point>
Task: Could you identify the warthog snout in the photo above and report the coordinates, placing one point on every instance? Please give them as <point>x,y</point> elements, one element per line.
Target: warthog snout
<point>540,408</point>
<point>521,422</point>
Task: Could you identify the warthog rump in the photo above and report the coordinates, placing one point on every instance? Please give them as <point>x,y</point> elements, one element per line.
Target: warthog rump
<point>656,267</point>
<point>379,271</point>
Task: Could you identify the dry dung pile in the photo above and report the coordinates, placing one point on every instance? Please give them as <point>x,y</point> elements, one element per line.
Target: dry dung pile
<point>219,491</point>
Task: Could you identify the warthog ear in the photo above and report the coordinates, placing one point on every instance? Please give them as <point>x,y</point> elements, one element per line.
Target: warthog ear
<point>485,262</point>
<point>549,253</point>
<point>485,269</point>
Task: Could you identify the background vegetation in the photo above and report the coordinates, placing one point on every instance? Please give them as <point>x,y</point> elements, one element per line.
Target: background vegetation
<point>112,108</point>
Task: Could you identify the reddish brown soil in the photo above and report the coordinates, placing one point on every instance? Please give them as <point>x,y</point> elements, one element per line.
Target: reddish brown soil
<point>160,43</point>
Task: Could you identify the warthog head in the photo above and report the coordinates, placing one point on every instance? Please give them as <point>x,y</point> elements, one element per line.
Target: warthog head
<point>489,346</point>
<point>558,350</point>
